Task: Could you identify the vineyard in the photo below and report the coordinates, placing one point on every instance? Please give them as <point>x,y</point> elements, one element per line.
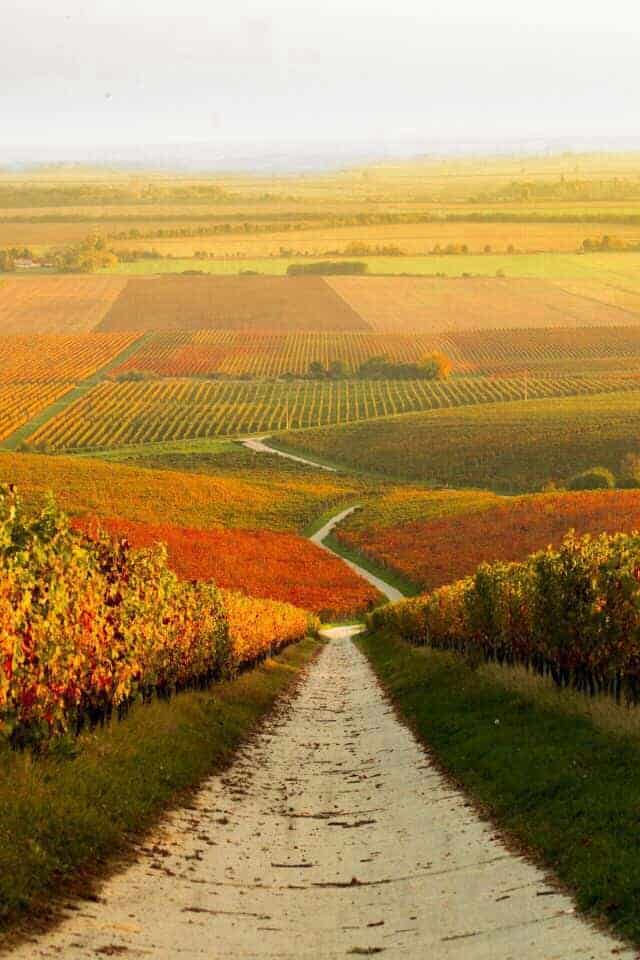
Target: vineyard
<point>20,402</point>
<point>37,370</point>
<point>481,352</point>
<point>506,447</point>
<point>56,305</point>
<point>58,359</point>
<point>438,537</point>
<point>256,562</point>
<point>118,413</point>
<point>268,355</point>
<point>570,613</point>
<point>266,499</point>
<point>91,627</point>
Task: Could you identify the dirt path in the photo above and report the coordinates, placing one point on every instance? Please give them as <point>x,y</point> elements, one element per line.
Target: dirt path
<point>391,593</point>
<point>258,445</point>
<point>331,836</point>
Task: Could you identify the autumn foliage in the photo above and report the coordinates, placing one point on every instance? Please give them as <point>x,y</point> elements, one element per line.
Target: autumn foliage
<point>440,550</point>
<point>571,613</point>
<point>89,626</point>
<point>278,566</point>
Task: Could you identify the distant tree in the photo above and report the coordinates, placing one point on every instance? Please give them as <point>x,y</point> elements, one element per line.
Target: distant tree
<point>338,370</point>
<point>317,370</point>
<point>438,365</point>
<point>595,478</point>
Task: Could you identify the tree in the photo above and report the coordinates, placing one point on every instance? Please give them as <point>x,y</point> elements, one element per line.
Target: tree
<point>338,370</point>
<point>438,365</point>
<point>595,478</point>
<point>317,370</point>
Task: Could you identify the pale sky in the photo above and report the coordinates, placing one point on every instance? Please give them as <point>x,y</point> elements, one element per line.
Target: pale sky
<point>130,72</point>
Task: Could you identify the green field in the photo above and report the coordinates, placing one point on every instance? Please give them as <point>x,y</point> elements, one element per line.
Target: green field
<point>543,266</point>
<point>506,447</point>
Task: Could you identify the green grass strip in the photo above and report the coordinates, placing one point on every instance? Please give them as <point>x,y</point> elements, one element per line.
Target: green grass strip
<point>62,815</point>
<point>13,441</point>
<point>389,575</point>
<point>561,780</point>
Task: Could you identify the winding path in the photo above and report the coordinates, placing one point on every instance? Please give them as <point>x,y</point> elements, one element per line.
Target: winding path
<point>258,445</point>
<point>331,836</point>
<point>391,593</point>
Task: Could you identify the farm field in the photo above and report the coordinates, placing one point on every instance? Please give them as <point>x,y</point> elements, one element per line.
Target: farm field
<point>266,303</point>
<point>37,370</point>
<point>20,402</point>
<point>413,239</point>
<point>506,447</point>
<point>273,499</point>
<point>437,305</point>
<point>67,359</point>
<point>261,354</point>
<point>610,267</point>
<point>120,413</point>
<point>456,532</point>
<point>259,563</point>
<point>55,304</point>
<point>315,232</point>
<point>607,295</point>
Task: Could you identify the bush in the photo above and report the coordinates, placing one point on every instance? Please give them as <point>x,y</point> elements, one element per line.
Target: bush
<point>595,478</point>
<point>327,267</point>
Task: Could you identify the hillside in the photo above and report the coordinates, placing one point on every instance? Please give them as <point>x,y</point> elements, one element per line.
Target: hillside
<point>506,447</point>
<point>259,563</point>
<point>440,537</point>
<point>273,500</point>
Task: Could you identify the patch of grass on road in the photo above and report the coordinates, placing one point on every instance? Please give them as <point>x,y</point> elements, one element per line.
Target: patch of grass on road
<point>62,815</point>
<point>559,774</point>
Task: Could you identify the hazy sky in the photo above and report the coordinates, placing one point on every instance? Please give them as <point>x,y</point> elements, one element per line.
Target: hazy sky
<point>153,71</point>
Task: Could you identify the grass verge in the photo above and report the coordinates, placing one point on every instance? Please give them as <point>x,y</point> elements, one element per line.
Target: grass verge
<point>63,815</point>
<point>564,784</point>
<point>392,577</point>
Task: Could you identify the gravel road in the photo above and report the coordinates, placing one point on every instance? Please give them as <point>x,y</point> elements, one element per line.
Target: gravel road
<point>332,835</point>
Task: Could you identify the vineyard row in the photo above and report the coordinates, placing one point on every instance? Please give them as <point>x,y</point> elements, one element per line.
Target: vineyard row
<point>119,413</point>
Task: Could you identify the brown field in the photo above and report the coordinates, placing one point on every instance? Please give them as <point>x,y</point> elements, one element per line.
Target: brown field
<point>411,238</point>
<point>260,303</point>
<point>66,305</point>
<point>438,305</point>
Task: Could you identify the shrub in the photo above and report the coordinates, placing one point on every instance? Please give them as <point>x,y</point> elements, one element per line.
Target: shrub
<point>595,478</point>
<point>328,267</point>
